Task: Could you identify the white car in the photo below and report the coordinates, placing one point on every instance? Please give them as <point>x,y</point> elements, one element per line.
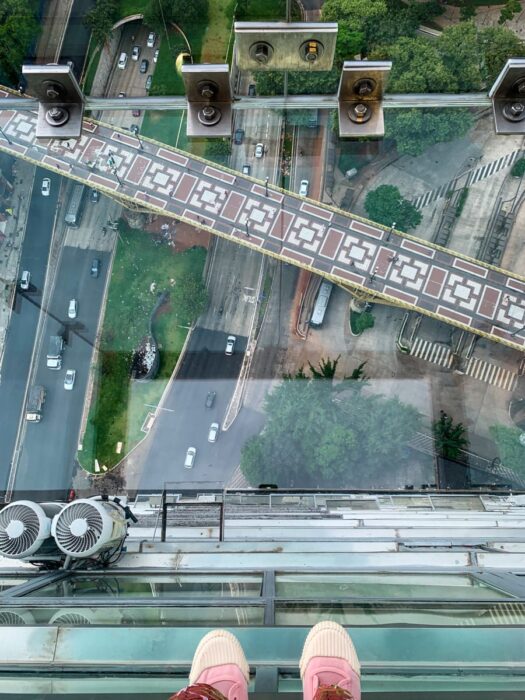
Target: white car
<point>46,187</point>
<point>259,150</point>
<point>213,432</point>
<point>152,38</point>
<point>72,308</point>
<point>25,280</point>
<point>69,381</point>
<point>135,53</point>
<point>190,457</point>
<point>156,56</point>
<point>303,189</point>
<point>230,344</point>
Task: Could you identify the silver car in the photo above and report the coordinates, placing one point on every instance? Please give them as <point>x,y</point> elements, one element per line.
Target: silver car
<point>213,432</point>
<point>230,345</point>
<point>69,381</point>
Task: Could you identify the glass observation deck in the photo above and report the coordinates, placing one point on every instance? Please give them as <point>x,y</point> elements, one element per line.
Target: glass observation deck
<point>278,313</point>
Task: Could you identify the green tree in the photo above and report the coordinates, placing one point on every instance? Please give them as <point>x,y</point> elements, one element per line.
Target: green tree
<point>467,10</point>
<point>450,438</point>
<point>353,13</point>
<point>511,451</point>
<point>518,169</point>
<point>497,45</point>
<point>401,20</point>
<point>349,43</point>
<point>462,56</point>
<point>299,82</point>
<point>363,321</point>
<point>386,206</point>
<point>414,130</point>
<point>323,431</point>
<point>19,28</point>
<point>159,14</point>
<point>189,297</point>
<point>101,18</point>
<point>508,11</point>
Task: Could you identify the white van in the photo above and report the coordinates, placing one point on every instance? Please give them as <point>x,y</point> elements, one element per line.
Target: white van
<point>123,60</point>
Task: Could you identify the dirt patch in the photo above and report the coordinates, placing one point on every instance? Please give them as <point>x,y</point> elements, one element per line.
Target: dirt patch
<point>181,236</point>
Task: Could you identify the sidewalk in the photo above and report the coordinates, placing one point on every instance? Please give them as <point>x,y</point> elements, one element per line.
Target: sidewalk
<point>11,237</point>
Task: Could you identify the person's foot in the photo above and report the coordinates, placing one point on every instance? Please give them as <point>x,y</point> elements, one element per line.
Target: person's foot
<point>329,666</point>
<point>219,670</point>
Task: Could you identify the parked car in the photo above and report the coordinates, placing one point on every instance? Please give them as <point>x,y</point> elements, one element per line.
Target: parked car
<point>149,80</point>
<point>46,187</point>
<point>210,399</point>
<point>190,457</point>
<point>152,38</point>
<point>94,196</point>
<point>95,267</point>
<point>123,60</point>
<point>72,308</point>
<point>156,56</point>
<point>135,53</point>
<point>259,150</point>
<point>135,112</point>
<point>246,169</point>
<point>122,94</point>
<point>230,344</point>
<point>251,90</point>
<point>144,65</point>
<point>213,432</point>
<point>238,137</point>
<point>303,189</point>
<point>69,380</point>
<point>25,280</point>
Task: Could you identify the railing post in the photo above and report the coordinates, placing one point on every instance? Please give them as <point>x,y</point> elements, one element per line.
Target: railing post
<point>164,507</point>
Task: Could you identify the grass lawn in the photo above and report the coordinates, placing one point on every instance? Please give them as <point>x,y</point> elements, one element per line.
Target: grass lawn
<point>132,7</point>
<point>118,409</point>
<point>270,10</point>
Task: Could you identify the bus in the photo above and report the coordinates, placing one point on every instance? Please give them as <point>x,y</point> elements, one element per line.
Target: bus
<point>75,206</point>
<point>321,303</point>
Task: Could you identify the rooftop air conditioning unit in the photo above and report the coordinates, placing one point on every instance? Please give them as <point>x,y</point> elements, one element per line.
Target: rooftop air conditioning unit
<point>25,530</point>
<point>88,527</point>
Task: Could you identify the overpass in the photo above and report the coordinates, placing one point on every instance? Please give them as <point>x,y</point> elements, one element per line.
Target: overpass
<point>381,263</point>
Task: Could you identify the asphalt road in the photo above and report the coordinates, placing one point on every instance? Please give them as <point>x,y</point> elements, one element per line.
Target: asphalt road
<point>24,319</point>
<point>49,447</point>
<point>184,420</point>
<point>77,35</point>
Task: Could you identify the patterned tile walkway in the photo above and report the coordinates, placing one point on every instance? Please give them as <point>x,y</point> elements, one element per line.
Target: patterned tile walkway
<point>348,250</point>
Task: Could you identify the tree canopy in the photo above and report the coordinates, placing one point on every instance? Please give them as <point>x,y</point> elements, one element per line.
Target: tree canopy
<point>450,437</point>
<point>322,432</point>
<point>160,13</point>
<point>386,206</point>
<point>19,28</point>
<point>354,13</point>
<point>414,130</point>
<point>511,451</point>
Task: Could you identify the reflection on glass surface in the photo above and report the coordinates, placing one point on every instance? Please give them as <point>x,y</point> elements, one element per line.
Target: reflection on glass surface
<point>410,586</point>
<point>185,585</point>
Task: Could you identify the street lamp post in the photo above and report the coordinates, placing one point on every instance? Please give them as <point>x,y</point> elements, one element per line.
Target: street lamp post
<point>391,231</point>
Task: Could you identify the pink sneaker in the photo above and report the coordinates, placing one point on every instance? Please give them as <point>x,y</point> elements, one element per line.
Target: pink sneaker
<point>329,665</point>
<point>219,670</point>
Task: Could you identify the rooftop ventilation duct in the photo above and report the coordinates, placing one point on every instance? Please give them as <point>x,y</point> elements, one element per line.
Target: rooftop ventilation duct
<point>87,527</point>
<point>25,530</point>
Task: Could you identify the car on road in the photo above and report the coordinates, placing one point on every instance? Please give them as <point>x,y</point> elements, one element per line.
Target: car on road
<point>152,38</point>
<point>95,267</point>
<point>123,60</point>
<point>238,137</point>
<point>251,90</point>
<point>189,461</point>
<point>259,150</point>
<point>246,169</point>
<point>210,399</point>
<point>72,309</point>
<point>69,380</point>
<point>303,188</point>
<point>94,196</point>
<point>135,53</point>
<point>25,279</point>
<point>46,187</point>
<point>156,56</point>
<point>122,94</point>
<point>144,65</point>
<point>213,432</point>
<point>135,113</point>
<point>230,344</point>
<point>149,80</point>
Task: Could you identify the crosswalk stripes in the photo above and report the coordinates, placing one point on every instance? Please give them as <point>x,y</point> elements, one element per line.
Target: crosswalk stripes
<point>491,374</point>
<point>432,352</point>
<point>481,173</point>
